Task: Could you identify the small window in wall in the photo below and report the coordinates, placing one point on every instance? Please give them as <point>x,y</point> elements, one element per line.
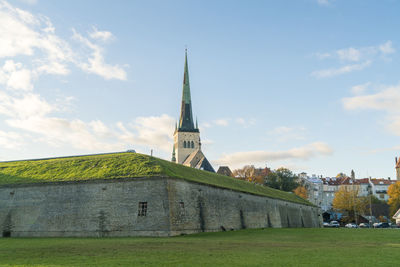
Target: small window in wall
<point>184,144</point>
<point>192,144</point>
<point>181,209</point>
<point>142,209</point>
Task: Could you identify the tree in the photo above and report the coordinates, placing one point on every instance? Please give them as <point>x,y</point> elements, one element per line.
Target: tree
<point>246,173</point>
<point>394,197</point>
<point>341,175</point>
<point>301,191</point>
<point>375,200</point>
<point>282,179</point>
<point>347,200</point>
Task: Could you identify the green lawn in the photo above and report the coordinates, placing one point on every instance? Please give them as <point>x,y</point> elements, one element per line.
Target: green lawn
<point>272,247</point>
<point>123,165</point>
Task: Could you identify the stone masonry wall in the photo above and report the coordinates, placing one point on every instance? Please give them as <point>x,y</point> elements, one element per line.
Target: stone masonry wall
<point>197,208</point>
<point>96,208</point>
<point>111,208</point>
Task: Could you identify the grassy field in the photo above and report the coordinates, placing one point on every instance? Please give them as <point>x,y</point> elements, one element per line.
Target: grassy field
<point>123,165</point>
<point>272,247</point>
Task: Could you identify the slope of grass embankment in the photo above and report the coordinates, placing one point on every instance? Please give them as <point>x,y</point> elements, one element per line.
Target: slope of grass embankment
<point>123,165</point>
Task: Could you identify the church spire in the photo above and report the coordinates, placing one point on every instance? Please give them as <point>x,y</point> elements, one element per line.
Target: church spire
<point>186,119</point>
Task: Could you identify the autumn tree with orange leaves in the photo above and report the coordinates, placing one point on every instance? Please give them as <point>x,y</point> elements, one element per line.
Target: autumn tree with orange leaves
<point>301,191</point>
<point>347,200</point>
<point>394,197</point>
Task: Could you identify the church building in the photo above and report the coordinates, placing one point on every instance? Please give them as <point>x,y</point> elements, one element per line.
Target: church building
<point>398,169</point>
<point>187,145</point>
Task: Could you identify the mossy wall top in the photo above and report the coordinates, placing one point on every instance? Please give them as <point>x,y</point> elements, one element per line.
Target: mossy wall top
<point>124,165</point>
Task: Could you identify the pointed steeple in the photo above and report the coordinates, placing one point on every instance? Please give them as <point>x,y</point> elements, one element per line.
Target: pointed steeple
<point>173,159</point>
<point>186,119</point>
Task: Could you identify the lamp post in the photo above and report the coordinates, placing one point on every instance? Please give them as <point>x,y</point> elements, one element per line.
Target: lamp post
<point>370,204</point>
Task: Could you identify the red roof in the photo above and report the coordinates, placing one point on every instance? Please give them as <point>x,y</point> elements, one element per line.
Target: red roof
<point>363,181</point>
<point>382,181</point>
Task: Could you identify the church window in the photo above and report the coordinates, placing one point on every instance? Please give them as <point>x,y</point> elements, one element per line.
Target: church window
<point>184,144</point>
<point>192,144</point>
<point>142,209</point>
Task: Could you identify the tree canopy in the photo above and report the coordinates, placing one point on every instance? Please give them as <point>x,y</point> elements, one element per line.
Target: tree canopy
<point>282,179</point>
<point>347,200</point>
<point>394,197</point>
<point>301,191</point>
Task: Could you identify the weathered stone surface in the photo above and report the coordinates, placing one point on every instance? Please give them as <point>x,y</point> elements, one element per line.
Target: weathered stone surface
<point>110,208</point>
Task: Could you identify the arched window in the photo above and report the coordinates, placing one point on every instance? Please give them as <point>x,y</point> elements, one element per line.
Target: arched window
<point>192,144</point>
<point>184,144</point>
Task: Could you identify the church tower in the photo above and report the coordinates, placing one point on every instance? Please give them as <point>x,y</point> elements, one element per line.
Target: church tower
<point>397,168</point>
<point>187,145</point>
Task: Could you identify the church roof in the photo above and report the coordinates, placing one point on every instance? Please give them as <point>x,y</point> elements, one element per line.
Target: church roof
<point>186,123</point>
<point>224,170</point>
<point>197,160</point>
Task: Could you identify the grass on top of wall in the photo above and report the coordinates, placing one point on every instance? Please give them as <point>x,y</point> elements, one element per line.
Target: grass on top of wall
<point>123,165</point>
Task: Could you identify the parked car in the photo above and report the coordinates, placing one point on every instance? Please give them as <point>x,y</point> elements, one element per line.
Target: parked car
<point>375,225</point>
<point>364,225</point>
<point>326,224</point>
<point>334,224</point>
<point>351,225</point>
<point>383,225</point>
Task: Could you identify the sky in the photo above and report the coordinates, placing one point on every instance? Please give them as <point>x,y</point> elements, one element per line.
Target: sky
<point>311,85</point>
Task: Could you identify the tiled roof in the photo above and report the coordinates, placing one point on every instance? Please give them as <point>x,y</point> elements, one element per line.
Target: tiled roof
<point>382,181</point>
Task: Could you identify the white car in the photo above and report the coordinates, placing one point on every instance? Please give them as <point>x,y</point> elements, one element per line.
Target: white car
<point>334,224</point>
<point>350,225</point>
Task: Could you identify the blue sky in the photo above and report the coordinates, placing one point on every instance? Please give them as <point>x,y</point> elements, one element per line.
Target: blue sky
<point>312,85</point>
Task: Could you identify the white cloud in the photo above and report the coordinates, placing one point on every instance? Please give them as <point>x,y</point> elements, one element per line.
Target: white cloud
<point>29,2</point>
<point>355,59</point>
<point>349,54</point>
<point>284,133</point>
<point>95,63</point>
<point>22,33</point>
<point>222,122</point>
<point>10,140</point>
<point>360,88</point>
<point>246,122</point>
<point>205,125</point>
<point>324,2</point>
<point>154,131</point>
<point>101,35</point>
<point>342,70</point>
<point>387,99</point>
<point>25,106</point>
<point>253,157</point>
<point>387,48</point>
<point>15,77</point>
<point>30,48</point>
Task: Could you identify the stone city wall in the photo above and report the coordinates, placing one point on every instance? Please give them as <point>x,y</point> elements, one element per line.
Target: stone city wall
<point>115,208</point>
